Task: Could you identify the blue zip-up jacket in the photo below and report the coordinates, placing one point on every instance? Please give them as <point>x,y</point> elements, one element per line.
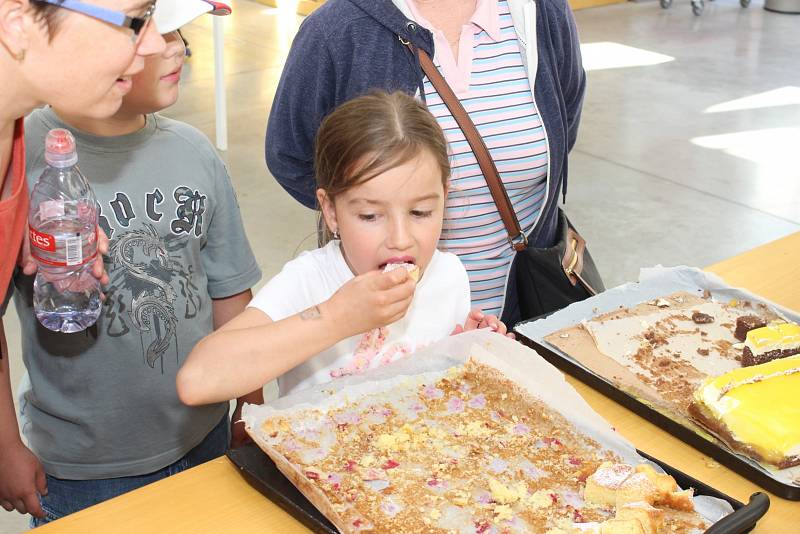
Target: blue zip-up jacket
<point>349,47</point>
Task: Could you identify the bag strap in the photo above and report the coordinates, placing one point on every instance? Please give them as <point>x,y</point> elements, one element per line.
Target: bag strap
<point>516,237</point>
<point>572,262</point>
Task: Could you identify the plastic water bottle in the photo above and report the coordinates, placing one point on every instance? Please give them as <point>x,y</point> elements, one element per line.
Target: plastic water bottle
<point>62,227</point>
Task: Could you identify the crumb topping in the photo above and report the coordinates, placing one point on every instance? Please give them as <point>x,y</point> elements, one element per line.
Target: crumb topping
<point>472,452</point>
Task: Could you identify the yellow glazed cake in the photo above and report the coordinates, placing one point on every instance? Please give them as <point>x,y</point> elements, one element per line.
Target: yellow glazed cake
<point>771,342</point>
<point>755,410</point>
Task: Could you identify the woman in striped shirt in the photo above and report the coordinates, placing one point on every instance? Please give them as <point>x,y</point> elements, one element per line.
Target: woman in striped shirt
<point>514,65</point>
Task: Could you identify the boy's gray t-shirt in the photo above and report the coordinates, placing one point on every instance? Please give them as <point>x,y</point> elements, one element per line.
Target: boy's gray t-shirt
<point>102,403</point>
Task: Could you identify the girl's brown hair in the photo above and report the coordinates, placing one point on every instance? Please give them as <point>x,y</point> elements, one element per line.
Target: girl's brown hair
<point>373,133</point>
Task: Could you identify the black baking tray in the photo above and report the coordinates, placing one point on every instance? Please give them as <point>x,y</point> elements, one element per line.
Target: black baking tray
<point>710,448</point>
<point>260,471</point>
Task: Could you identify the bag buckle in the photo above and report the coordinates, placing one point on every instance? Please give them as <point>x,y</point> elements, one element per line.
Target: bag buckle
<point>570,270</point>
<point>519,242</point>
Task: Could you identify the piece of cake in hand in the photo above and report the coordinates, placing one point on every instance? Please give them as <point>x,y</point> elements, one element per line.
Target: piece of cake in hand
<point>755,410</point>
<point>771,342</point>
<point>413,270</point>
<point>601,487</point>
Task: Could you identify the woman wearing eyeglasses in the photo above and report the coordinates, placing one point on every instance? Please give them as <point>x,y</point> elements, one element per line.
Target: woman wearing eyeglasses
<point>77,56</point>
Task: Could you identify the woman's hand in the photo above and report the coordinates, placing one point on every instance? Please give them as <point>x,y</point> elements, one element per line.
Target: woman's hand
<point>477,319</point>
<point>372,300</point>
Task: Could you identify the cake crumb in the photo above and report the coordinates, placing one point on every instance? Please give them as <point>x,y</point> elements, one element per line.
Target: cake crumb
<point>702,318</point>
<point>540,499</point>
<point>503,512</point>
<point>506,495</point>
<point>460,498</point>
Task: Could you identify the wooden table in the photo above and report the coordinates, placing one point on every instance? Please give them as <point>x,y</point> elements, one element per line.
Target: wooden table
<point>214,498</point>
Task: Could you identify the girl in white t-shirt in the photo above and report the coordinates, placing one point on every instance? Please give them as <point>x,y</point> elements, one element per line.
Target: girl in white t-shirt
<point>382,169</point>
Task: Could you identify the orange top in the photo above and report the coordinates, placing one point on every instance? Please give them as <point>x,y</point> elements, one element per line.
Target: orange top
<point>13,210</point>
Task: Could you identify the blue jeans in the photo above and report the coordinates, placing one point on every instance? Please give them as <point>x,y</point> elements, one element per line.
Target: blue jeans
<point>68,496</point>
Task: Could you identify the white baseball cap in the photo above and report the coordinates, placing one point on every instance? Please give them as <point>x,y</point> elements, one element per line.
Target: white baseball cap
<point>172,14</point>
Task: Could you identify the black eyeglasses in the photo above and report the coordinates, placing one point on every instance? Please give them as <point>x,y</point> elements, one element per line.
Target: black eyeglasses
<point>137,24</point>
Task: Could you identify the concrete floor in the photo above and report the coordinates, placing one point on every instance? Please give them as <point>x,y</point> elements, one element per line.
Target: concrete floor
<point>687,155</point>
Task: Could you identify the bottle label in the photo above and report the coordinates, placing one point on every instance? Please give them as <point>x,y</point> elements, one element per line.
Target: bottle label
<point>72,246</point>
<point>41,240</point>
<point>74,250</point>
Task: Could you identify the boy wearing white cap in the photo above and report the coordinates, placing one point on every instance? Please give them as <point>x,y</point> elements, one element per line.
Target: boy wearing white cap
<point>99,409</point>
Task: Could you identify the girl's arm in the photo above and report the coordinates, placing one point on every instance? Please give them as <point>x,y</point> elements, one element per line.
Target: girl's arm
<point>252,349</point>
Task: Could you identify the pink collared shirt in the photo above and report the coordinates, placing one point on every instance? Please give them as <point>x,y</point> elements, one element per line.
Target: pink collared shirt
<point>492,84</point>
<point>457,71</point>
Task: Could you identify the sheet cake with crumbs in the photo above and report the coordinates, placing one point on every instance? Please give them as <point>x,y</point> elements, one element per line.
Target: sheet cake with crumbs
<point>464,450</point>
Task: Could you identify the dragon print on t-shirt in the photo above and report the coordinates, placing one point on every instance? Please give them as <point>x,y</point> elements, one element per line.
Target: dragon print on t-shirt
<point>150,288</point>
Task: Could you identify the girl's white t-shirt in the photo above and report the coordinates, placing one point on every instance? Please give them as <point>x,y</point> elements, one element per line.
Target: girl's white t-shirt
<point>441,301</point>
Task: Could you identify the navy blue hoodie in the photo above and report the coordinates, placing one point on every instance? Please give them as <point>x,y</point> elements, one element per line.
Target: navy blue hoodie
<point>349,47</point>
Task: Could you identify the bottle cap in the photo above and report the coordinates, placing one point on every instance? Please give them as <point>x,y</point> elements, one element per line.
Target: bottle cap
<point>59,148</point>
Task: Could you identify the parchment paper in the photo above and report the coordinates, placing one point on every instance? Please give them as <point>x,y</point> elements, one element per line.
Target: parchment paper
<point>514,360</point>
<point>657,282</point>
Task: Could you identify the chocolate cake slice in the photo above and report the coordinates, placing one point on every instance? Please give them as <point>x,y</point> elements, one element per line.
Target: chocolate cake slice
<point>745,323</point>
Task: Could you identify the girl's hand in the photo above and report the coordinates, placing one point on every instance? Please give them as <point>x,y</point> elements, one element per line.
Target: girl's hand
<point>372,300</point>
<point>477,319</point>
